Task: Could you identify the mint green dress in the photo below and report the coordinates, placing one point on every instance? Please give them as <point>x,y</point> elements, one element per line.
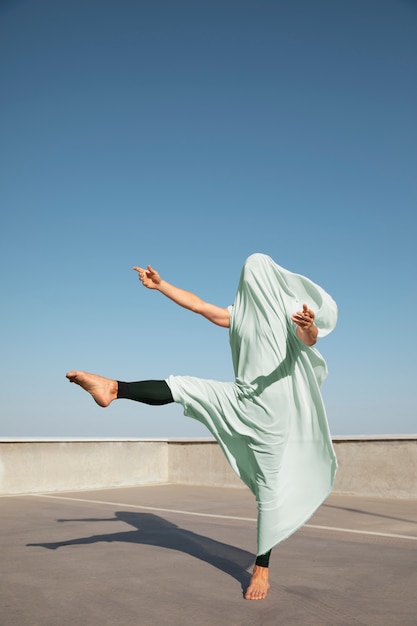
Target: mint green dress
<point>271,422</point>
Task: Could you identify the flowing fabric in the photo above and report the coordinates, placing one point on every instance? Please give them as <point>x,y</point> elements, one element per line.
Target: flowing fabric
<point>271,422</point>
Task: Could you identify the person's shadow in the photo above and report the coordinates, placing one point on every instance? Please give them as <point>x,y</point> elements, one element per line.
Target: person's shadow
<point>153,530</point>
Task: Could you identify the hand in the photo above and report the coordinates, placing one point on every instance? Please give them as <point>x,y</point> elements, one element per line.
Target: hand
<point>149,277</point>
<point>304,319</point>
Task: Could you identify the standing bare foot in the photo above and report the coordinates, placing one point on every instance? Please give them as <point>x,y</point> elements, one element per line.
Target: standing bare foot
<point>259,584</point>
<point>103,390</point>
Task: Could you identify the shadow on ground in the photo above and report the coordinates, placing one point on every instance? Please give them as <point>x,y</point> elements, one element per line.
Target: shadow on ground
<point>150,529</point>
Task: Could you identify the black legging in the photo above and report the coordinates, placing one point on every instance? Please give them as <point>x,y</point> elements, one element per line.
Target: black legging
<point>157,392</point>
<point>154,392</point>
<point>263,559</point>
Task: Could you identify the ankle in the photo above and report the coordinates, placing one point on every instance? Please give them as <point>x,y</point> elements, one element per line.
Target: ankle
<point>259,570</point>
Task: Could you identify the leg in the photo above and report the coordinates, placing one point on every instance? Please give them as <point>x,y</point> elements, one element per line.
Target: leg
<point>259,584</point>
<point>105,390</point>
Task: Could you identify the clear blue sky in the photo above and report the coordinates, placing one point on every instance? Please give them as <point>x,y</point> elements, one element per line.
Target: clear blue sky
<point>190,134</point>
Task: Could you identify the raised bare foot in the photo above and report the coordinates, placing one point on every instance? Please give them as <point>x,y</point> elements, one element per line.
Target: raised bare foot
<point>259,585</point>
<point>103,390</point>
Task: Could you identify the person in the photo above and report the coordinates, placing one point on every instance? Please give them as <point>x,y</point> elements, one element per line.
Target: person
<point>270,422</point>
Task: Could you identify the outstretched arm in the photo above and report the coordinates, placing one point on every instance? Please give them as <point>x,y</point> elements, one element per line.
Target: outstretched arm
<point>152,280</point>
<point>307,331</point>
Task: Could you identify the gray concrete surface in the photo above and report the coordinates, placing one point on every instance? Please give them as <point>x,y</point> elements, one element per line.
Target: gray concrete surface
<point>179,555</point>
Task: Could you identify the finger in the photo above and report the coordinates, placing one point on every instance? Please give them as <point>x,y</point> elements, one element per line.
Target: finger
<point>138,269</point>
<point>308,311</point>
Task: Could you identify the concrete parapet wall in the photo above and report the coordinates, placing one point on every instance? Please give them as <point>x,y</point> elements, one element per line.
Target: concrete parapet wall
<point>200,463</point>
<point>377,467</point>
<point>40,466</point>
<point>368,466</point>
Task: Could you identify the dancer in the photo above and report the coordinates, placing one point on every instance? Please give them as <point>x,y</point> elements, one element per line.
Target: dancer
<point>270,421</point>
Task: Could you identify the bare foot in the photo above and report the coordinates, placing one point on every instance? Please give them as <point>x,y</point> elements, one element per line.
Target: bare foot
<point>103,390</point>
<point>259,585</point>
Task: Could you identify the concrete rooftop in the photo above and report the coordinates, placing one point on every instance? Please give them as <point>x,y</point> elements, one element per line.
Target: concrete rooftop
<point>179,555</point>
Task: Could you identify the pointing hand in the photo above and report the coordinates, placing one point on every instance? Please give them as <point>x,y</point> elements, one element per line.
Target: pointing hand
<point>149,277</point>
<point>304,318</point>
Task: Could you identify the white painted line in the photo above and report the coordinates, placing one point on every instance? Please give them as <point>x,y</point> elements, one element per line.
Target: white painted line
<point>145,508</point>
<point>231,517</point>
<point>362,532</point>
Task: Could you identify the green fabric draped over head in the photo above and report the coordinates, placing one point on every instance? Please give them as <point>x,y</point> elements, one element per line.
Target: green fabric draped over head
<point>270,421</point>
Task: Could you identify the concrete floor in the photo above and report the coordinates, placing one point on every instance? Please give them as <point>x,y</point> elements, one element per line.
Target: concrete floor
<point>179,555</point>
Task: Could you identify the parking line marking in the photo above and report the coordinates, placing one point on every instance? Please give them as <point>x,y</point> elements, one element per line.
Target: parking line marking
<point>216,516</point>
